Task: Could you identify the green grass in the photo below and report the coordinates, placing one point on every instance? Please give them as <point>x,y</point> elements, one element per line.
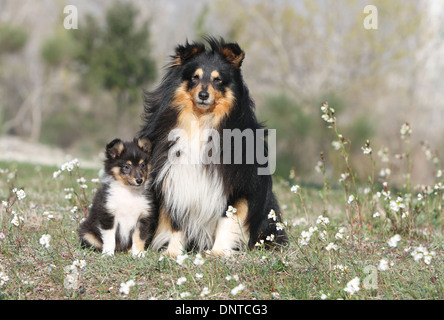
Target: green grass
<point>295,272</point>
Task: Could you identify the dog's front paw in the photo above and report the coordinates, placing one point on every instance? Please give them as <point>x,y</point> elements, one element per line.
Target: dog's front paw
<point>137,253</point>
<point>224,253</point>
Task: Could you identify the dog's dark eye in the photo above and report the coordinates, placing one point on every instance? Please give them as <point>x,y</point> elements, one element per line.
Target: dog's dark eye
<point>217,80</point>
<point>195,78</point>
<point>126,168</point>
<point>142,165</point>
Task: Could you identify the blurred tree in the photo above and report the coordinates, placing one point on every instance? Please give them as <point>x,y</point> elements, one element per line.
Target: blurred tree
<point>12,38</point>
<point>60,49</point>
<point>117,55</point>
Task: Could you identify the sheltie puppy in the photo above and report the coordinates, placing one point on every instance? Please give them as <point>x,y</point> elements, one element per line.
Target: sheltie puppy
<point>122,215</point>
<point>210,193</point>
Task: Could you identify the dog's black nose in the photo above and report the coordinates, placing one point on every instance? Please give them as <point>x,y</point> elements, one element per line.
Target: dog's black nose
<point>203,95</point>
<point>139,181</point>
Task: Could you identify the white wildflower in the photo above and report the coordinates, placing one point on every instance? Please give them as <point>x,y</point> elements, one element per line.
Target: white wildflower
<point>351,198</point>
<point>393,242</point>
<point>20,194</point>
<point>205,292</point>
<point>3,278</point>
<point>237,289</point>
<point>270,237</point>
<point>199,260</point>
<point>44,240</point>
<point>16,219</point>
<point>229,213</point>
<point>352,286</point>
<point>332,246</point>
<point>305,238</point>
<point>181,258</point>
<point>125,286</point>
<point>322,220</point>
<point>181,281</point>
<point>295,188</point>
<point>383,265</point>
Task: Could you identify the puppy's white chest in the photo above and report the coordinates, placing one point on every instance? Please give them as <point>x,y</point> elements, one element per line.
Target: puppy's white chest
<point>127,205</point>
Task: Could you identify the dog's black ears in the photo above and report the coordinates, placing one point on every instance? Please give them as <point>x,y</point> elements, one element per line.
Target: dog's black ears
<point>114,149</point>
<point>233,54</point>
<point>144,144</point>
<point>186,52</point>
<point>229,50</point>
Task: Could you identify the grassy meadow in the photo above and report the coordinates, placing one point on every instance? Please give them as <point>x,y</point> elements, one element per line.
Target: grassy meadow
<point>350,238</point>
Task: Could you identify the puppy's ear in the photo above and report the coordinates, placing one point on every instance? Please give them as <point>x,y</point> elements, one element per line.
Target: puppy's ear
<point>144,144</point>
<point>114,149</point>
<point>232,53</point>
<point>186,52</point>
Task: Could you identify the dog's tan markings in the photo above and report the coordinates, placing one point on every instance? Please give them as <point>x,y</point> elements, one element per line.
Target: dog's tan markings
<point>117,175</point>
<point>223,106</point>
<point>138,244</point>
<point>199,72</point>
<point>214,75</point>
<point>164,230</point>
<point>232,232</point>
<point>92,240</point>
<point>177,244</point>
<point>129,162</point>
<point>233,58</point>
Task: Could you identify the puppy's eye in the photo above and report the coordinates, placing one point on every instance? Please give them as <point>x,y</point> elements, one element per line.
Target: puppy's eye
<point>126,168</point>
<point>195,78</point>
<point>142,165</point>
<point>217,80</point>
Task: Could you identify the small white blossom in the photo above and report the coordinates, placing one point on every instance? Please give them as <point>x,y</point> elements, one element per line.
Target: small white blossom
<point>199,260</point>
<point>322,220</point>
<point>270,237</point>
<point>393,242</point>
<point>181,281</point>
<point>237,289</point>
<point>295,188</point>
<point>3,278</point>
<point>352,286</point>
<point>383,265</point>
<point>205,292</point>
<point>351,198</point>
<point>125,286</point>
<point>332,246</point>
<point>44,240</point>
<point>17,220</point>
<point>181,258</point>
<point>229,213</point>
<point>20,194</point>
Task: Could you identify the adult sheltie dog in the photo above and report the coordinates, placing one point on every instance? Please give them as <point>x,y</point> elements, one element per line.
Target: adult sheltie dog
<point>206,174</point>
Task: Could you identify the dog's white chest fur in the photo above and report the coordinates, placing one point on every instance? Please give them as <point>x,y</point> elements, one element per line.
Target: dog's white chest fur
<point>126,204</point>
<point>193,192</point>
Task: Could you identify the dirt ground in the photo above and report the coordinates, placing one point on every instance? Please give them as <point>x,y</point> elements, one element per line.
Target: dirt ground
<point>17,149</point>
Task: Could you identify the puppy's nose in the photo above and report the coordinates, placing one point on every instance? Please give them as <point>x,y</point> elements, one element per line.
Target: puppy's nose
<point>139,181</point>
<point>203,95</point>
